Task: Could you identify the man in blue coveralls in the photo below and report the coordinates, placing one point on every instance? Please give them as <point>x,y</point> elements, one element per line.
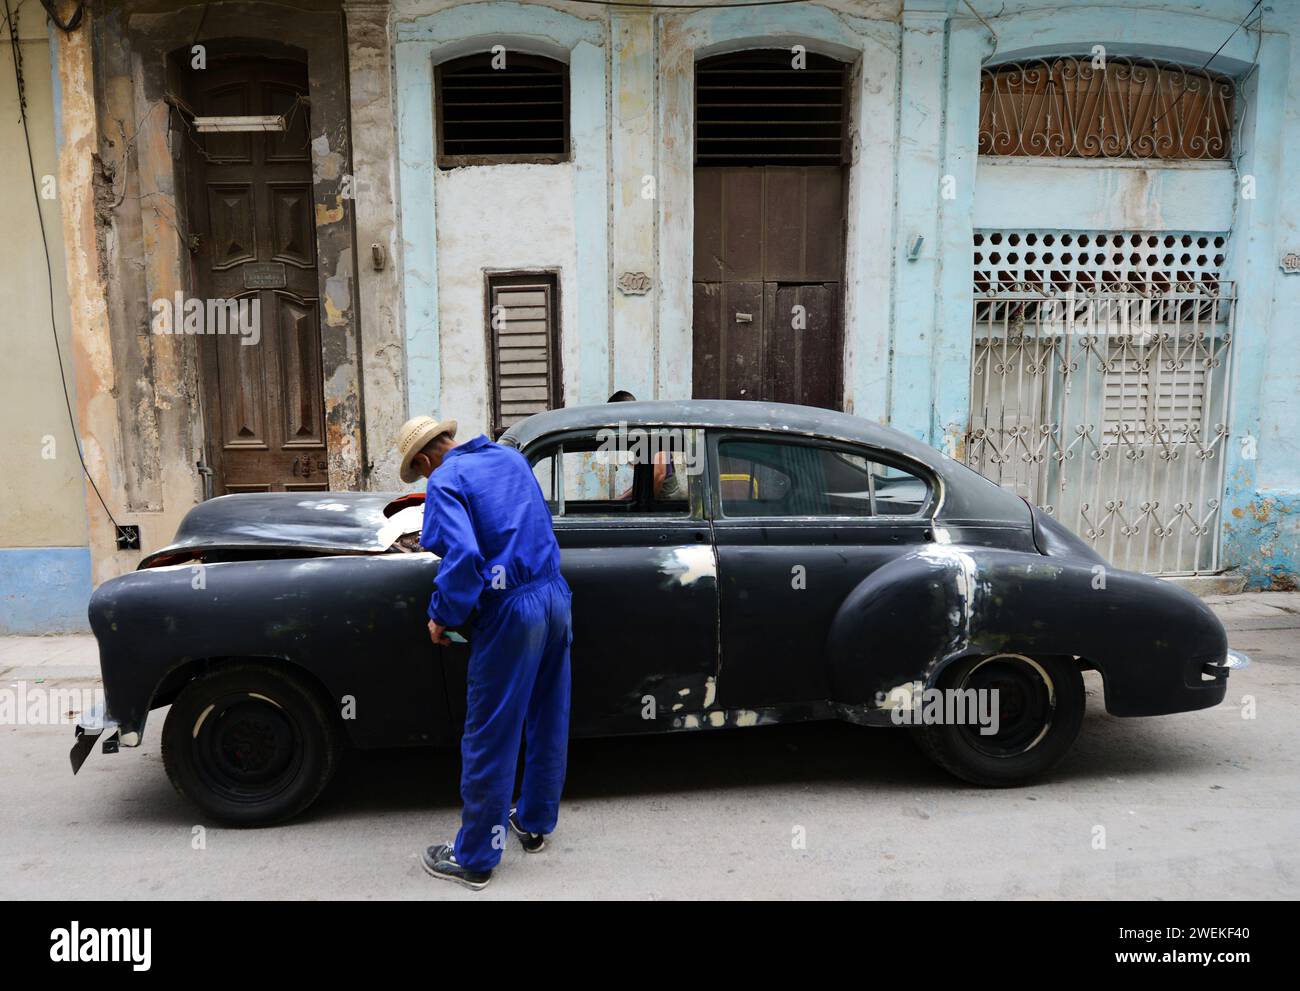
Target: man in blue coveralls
<point>499,578</point>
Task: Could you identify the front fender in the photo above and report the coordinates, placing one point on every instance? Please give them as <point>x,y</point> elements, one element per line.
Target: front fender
<point>909,620</point>
<point>354,623</point>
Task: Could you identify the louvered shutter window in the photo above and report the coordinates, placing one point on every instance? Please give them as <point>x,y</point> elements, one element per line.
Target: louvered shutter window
<point>757,108</point>
<point>490,114</point>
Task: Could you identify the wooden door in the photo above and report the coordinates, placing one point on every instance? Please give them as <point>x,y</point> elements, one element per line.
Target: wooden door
<point>768,290</point>
<point>252,212</point>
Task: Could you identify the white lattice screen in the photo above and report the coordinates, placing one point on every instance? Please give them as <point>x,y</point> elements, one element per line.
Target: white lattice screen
<point>1061,259</point>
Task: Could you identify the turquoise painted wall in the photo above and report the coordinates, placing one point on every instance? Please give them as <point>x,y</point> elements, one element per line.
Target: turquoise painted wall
<point>44,590</point>
<point>424,38</point>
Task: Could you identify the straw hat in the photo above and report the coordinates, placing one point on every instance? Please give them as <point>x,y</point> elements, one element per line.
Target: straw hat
<point>414,435</point>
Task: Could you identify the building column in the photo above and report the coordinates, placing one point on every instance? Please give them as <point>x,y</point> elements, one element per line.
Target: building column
<point>419,236</point>
<point>968,42</point>
<point>920,175</point>
<point>1260,503</point>
<point>92,350</point>
<point>633,194</point>
<point>374,163</point>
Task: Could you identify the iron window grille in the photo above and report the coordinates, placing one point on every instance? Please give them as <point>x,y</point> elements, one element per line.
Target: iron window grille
<point>1072,107</point>
<point>1100,372</point>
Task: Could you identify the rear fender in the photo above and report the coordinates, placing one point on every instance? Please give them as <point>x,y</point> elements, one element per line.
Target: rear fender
<point>907,621</point>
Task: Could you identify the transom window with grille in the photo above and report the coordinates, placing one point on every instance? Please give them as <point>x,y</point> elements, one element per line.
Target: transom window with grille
<point>757,108</point>
<point>1078,107</point>
<point>510,107</point>
<point>523,345</point>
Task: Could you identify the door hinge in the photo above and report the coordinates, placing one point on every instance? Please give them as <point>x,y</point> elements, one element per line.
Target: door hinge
<point>205,474</point>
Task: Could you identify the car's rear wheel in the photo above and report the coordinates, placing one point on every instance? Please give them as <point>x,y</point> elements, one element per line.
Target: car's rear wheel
<point>1039,705</point>
<point>250,744</point>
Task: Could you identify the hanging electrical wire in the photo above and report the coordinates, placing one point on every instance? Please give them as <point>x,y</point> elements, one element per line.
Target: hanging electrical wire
<point>1217,51</point>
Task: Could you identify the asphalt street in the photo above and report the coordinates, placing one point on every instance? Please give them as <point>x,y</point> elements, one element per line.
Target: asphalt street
<point>1196,805</point>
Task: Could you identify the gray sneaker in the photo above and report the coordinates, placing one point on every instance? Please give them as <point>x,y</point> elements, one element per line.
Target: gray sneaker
<point>532,842</point>
<point>440,862</point>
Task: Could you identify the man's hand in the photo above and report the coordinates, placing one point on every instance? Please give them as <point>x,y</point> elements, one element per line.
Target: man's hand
<point>438,633</point>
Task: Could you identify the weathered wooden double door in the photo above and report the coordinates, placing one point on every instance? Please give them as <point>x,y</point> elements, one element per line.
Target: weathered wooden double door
<point>254,243</point>
<point>768,293</point>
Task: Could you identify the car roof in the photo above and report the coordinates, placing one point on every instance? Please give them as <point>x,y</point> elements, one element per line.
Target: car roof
<point>715,413</point>
<point>967,496</point>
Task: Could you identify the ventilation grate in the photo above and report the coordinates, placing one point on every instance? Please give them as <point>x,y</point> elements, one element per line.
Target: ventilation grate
<point>756,108</point>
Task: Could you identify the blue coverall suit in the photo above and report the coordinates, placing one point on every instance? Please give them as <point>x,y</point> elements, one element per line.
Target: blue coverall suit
<point>485,516</point>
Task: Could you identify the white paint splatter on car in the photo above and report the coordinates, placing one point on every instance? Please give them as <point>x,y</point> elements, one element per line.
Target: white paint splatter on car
<point>689,564</point>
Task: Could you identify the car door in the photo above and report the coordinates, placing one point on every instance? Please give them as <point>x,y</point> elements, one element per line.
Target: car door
<point>635,548</point>
<point>798,522</point>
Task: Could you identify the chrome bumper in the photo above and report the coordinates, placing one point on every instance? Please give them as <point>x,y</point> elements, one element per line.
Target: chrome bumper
<point>1234,660</point>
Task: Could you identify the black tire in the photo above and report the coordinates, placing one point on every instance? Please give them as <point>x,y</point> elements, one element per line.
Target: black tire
<point>250,744</point>
<point>1041,706</point>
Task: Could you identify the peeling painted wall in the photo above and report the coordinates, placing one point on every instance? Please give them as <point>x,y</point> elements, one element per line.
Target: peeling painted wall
<point>497,218</point>
<point>81,179</point>
<point>125,222</point>
<point>540,216</point>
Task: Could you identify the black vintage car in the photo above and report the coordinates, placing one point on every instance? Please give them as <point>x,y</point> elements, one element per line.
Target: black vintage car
<point>732,565</point>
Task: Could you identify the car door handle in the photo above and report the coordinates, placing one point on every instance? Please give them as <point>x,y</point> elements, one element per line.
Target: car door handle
<point>700,537</point>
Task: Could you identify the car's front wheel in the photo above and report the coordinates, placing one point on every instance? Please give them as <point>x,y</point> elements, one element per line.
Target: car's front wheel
<point>1033,708</point>
<point>250,744</point>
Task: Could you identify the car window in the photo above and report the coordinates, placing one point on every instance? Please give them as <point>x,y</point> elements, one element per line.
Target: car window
<point>898,492</point>
<point>779,478</point>
<point>575,478</point>
<point>604,475</point>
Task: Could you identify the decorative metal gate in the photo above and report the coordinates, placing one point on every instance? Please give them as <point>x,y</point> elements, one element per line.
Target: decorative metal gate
<point>1099,386</point>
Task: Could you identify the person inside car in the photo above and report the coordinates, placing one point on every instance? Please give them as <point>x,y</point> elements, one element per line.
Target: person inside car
<point>669,482</point>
